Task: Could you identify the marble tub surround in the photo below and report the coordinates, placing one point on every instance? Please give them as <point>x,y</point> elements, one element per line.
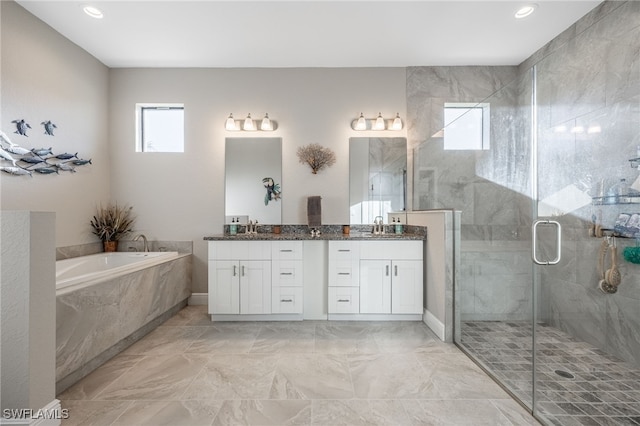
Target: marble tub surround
<point>124,245</point>
<point>96,322</point>
<point>306,373</point>
<point>327,232</point>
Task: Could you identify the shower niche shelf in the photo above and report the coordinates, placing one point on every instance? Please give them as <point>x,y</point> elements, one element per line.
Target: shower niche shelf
<point>606,201</point>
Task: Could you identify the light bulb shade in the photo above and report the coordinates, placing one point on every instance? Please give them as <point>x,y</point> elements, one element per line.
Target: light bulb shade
<point>266,123</point>
<point>248,123</point>
<point>230,124</point>
<point>362,123</point>
<point>397,123</point>
<point>379,124</point>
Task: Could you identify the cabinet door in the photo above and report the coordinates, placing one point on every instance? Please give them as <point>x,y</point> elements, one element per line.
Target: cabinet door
<point>375,287</point>
<point>344,300</point>
<point>406,287</point>
<point>255,287</point>
<point>287,300</point>
<point>224,287</point>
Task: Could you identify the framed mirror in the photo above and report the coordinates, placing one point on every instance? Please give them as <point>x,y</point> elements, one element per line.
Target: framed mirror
<point>377,178</point>
<point>253,180</point>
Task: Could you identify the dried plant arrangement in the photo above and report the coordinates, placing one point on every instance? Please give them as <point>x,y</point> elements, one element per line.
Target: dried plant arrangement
<point>316,156</point>
<point>112,222</point>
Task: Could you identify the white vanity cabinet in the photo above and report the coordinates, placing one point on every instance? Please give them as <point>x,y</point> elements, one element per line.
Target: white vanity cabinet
<point>240,277</point>
<point>287,277</point>
<point>391,279</point>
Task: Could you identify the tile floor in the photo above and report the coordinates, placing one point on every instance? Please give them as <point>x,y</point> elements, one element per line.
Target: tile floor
<point>190,371</point>
<point>603,391</point>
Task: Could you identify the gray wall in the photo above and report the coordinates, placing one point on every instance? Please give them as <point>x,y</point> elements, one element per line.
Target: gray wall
<point>46,77</point>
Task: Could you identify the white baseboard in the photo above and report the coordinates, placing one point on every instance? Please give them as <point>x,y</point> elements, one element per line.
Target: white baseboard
<point>434,324</point>
<point>198,299</point>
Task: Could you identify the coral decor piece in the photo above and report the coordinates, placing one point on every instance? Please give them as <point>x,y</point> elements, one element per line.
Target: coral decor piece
<point>316,156</point>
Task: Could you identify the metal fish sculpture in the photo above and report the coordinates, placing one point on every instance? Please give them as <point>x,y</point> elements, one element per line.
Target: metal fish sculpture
<point>6,156</point>
<point>4,138</point>
<point>16,171</point>
<point>21,127</point>
<point>66,156</point>
<point>80,162</point>
<point>46,170</point>
<point>42,151</point>
<point>48,127</point>
<point>33,159</point>
<point>17,150</point>
<point>65,167</point>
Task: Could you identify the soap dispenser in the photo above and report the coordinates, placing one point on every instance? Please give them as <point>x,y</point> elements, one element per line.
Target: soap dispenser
<point>233,228</point>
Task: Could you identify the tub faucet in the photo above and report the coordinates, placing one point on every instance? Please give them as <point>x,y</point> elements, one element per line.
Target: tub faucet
<point>144,240</point>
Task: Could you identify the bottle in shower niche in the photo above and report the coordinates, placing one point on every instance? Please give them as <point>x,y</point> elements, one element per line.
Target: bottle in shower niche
<point>617,193</point>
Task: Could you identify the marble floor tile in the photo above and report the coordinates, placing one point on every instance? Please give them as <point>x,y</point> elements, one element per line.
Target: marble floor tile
<point>170,413</point>
<point>100,378</point>
<point>285,338</point>
<point>264,412</point>
<point>191,371</point>
<point>454,376</point>
<point>165,340</point>
<point>156,377</point>
<point>234,376</point>
<point>344,339</point>
<point>225,340</point>
<point>312,376</point>
<point>93,413</point>
<point>358,412</point>
<point>388,376</point>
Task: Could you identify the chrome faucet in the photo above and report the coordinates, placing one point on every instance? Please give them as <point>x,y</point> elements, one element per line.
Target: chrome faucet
<point>378,225</point>
<point>252,227</point>
<point>144,240</point>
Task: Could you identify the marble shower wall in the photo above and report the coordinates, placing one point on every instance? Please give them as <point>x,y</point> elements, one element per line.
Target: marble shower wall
<point>591,81</point>
<point>490,187</point>
<point>96,322</point>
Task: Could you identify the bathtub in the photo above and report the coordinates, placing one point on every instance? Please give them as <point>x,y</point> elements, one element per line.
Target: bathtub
<point>78,272</point>
<point>107,301</point>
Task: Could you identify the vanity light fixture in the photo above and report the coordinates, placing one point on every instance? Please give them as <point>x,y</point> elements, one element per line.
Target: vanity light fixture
<point>266,123</point>
<point>230,124</point>
<point>378,123</point>
<point>525,11</point>
<point>249,124</point>
<point>93,11</point>
<point>362,123</point>
<point>397,123</point>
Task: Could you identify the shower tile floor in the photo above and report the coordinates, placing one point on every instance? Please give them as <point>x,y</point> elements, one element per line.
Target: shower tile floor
<point>603,391</point>
<point>191,371</point>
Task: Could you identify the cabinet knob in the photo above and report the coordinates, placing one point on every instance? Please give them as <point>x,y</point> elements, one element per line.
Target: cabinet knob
<point>344,300</point>
<point>344,273</point>
<point>286,300</point>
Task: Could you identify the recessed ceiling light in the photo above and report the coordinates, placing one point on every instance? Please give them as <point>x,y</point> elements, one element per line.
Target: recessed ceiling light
<point>525,11</point>
<point>94,12</point>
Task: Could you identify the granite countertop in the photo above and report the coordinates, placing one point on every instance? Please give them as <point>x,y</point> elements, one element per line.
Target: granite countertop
<point>354,236</point>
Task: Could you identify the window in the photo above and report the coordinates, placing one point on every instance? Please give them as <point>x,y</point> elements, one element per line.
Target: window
<point>160,128</point>
<point>466,126</point>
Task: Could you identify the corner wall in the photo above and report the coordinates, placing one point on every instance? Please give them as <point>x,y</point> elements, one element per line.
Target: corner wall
<point>46,77</point>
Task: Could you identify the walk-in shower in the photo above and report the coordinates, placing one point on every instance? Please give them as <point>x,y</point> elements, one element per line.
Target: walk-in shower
<point>530,310</point>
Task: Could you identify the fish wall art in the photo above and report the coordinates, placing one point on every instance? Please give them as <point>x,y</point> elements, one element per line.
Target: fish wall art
<point>18,161</point>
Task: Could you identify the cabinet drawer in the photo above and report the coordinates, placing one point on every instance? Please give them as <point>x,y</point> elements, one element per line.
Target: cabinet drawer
<point>286,250</point>
<point>344,250</point>
<point>391,250</point>
<point>239,250</point>
<point>287,273</point>
<point>344,300</point>
<point>343,273</point>
<point>287,300</point>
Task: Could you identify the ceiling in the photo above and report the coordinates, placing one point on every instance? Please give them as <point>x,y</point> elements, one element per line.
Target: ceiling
<point>309,33</point>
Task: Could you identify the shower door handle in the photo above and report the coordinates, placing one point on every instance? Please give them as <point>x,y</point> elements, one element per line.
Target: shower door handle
<point>534,238</point>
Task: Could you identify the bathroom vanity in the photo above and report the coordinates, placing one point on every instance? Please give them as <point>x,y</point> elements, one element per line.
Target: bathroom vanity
<point>347,277</point>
